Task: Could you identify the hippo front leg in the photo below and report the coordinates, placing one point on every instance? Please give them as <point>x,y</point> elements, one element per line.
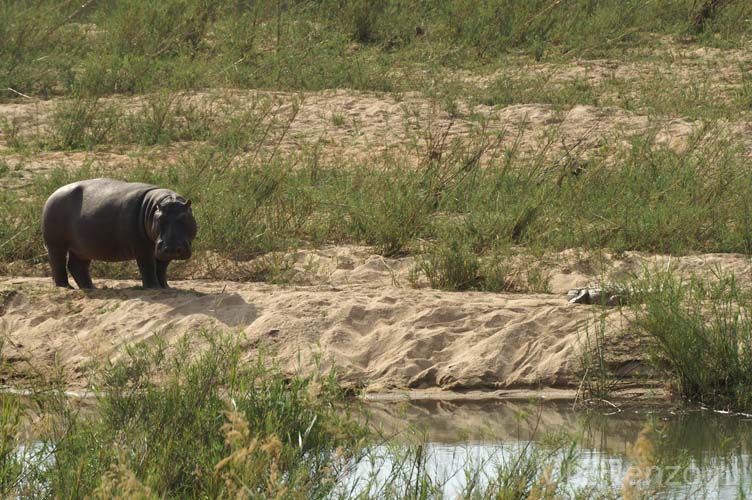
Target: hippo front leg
<point>148,268</point>
<point>162,273</point>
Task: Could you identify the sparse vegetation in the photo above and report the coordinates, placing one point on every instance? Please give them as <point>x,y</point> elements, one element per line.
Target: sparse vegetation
<point>254,197</point>
<point>649,198</point>
<point>598,379</point>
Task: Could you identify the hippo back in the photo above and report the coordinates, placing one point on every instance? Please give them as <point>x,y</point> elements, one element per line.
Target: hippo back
<point>98,219</point>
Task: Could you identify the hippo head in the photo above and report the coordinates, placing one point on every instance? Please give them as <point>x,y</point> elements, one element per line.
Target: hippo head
<point>174,228</point>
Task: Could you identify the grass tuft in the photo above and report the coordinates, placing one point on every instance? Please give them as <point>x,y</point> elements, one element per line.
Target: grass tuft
<point>700,332</point>
<point>192,420</point>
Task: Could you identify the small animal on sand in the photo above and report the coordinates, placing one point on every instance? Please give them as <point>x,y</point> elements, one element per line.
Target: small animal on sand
<point>112,220</point>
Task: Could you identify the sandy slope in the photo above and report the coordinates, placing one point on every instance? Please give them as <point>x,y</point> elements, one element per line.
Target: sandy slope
<point>359,316</point>
<point>378,337</point>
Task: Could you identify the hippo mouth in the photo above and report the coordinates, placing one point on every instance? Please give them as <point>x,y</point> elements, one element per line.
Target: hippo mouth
<point>169,252</point>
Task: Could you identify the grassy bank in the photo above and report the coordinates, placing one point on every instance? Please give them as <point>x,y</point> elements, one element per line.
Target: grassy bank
<point>185,421</point>
<point>694,332</point>
<point>193,421</point>
<point>699,331</point>
<point>104,47</point>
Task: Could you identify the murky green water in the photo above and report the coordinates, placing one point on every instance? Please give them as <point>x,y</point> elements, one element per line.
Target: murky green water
<point>692,453</point>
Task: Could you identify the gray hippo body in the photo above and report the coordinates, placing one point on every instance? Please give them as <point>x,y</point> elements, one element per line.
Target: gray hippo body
<point>110,220</point>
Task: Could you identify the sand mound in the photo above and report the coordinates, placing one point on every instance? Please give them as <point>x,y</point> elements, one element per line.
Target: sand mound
<point>355,312</point>
<point>381,338</point>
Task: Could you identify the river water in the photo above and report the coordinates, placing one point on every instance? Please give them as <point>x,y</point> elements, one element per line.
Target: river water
<point>685,453</point>
<point>693,453</point>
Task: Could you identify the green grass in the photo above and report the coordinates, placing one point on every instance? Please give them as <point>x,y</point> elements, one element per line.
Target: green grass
<point>83,123</point>
<point>161,118</point>
<point>700,332</point>
<point>195,420</point>
<point>251,198</point>
<point>10,463</point>
<point>192,420</point>
<point>649,85</point>
<point>137,46</point>
<point>509,89</point>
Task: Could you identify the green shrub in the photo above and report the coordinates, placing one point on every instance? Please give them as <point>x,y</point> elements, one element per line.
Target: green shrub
<point>38,46</point>
<point>11,464</point>
<point>177,420</point>
<point>83,123</point>
<point>701,332</point>
<point>451,266</point>
<point>167,118</point>
<point>388,208</point>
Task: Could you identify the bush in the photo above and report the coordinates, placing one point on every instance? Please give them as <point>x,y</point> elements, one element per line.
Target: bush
<point>194,421</point>
<point>701,332</point>
<point>451,266</point>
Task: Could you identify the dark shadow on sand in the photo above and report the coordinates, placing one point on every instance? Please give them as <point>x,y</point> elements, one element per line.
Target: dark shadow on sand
<point>229,309</point>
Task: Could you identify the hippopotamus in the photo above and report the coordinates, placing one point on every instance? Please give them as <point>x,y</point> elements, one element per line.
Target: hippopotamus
<point>111,220</point>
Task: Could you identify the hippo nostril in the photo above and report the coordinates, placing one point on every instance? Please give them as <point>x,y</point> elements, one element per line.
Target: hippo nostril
<point>180,252</point>
<point>174,252</point>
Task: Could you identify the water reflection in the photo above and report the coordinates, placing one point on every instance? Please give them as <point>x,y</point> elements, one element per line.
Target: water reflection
<point>695,453</point>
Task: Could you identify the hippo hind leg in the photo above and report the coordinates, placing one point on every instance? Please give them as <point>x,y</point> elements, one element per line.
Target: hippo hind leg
<point>57,263</point>
<point>79,269</point>
<point>162,273</point>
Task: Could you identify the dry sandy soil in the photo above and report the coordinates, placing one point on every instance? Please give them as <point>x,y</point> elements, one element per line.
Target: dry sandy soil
<point>343,125</point>
<point>353,311</point>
